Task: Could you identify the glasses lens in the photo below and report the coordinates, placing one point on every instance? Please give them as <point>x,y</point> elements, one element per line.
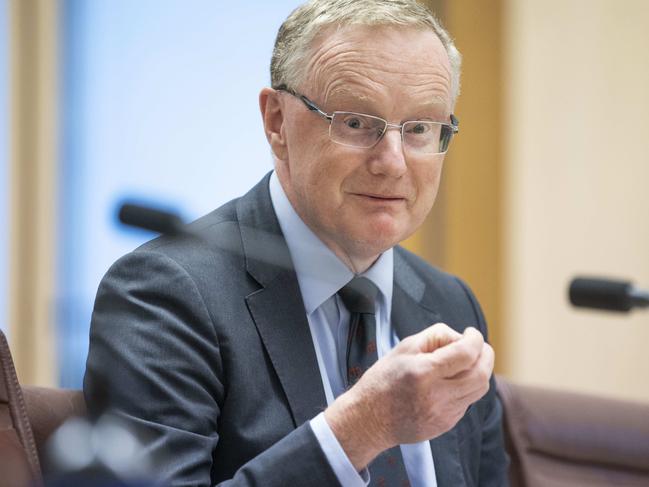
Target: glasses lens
<point>427,137</point>
<point>355,129</point>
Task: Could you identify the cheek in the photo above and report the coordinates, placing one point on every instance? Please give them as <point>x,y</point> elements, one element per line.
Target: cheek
<point>304,161</point>
<point>427,180</point>
<point>327,168</point>
<point>318,175</point>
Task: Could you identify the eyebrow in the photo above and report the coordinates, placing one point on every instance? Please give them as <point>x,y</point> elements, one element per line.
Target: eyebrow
<point>435,102</point>
<point>346,92</point>
<point>357,103</point>
<point>350,95</point>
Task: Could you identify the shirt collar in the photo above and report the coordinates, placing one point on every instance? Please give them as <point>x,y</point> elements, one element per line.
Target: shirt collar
<point>320,272</point>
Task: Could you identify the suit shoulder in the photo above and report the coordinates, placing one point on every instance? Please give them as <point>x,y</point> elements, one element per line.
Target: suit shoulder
<point>214,246</point>
<point>441,286</point>
<point>429,273</point>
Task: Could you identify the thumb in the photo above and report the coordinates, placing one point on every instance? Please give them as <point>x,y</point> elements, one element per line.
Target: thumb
<point>435,336</point>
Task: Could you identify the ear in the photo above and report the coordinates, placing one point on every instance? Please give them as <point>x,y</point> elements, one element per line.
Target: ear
<point>272,113</point>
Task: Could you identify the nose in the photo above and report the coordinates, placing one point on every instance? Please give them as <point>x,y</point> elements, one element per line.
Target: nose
<point>388,157</point>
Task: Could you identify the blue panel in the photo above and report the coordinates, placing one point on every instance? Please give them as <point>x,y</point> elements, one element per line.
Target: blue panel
<point>4,166</point>
<point>160,102</point>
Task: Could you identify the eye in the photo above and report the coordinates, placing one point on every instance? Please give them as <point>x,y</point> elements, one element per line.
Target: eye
<point>355,122</point>
<point>419,128</point>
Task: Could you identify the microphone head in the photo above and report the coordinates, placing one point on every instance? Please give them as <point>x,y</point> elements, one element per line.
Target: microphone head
<point>603,294</point>
<point>151,219</point>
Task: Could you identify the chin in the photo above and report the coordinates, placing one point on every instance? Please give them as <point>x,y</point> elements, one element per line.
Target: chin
<point>378,239</point>
<point>388,230</point>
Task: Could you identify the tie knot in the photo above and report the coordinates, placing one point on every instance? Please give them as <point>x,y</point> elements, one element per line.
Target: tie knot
<point>359,295</point>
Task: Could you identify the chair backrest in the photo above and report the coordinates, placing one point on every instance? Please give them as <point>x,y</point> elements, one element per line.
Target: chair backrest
<point>19,462</point>
<point>563,439</point>
<point>28,416</point>
<point>48,408</point>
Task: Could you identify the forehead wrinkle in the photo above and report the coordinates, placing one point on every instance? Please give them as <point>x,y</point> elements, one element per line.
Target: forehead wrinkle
<point>350,72</point>
<point>387,65</point>
<point>349,85</point>
<point>347,53</point>
<point>361,87</point>
<point>343,89</point>
<point>342,66</point>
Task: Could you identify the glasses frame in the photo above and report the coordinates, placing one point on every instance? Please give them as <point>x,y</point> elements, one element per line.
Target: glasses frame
<point>454,125</point>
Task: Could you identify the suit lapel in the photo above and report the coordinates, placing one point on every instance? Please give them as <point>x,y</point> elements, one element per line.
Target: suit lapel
<point>278,312</point>
<point>412,312</point>
<point>277,308</point>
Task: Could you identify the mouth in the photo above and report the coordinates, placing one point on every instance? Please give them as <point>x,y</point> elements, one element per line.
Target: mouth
<point>381,196</point>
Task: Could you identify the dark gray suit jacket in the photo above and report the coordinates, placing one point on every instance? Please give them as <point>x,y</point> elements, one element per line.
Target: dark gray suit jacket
<point>205,343</point>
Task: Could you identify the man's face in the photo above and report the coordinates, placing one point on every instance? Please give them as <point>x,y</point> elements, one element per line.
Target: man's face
<point>361,202</point>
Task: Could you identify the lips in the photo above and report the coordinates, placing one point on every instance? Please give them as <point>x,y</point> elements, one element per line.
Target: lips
<point>380,200</point>
<point>385,197</point>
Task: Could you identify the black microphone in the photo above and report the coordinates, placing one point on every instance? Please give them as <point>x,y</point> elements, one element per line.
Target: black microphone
<point>152,219</point>
<point>267,246</point>
<point>606,294</point>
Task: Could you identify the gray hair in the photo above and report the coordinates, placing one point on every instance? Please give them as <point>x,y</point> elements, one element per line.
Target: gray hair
<point>294,38</point>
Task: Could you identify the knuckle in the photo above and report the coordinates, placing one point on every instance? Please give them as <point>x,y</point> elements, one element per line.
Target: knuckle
<point>407,343</point>
<point>442,369</point>
<point>484,375</point>
<point>464,353</point>
<point>442,329</point>
<point>473,331</point>
<point>411,373</point>
<point>448,366</point>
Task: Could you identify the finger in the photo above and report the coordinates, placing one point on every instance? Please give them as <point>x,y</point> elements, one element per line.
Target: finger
<point>434,337</point>
<point>475,394</point>
<point>488,359</point>
<point>476,379</point>
<point>484,370</point>
<point>472,331</point>
<point>459,355</point>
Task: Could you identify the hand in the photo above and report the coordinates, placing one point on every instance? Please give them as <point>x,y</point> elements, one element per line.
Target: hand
<point>418,391</point>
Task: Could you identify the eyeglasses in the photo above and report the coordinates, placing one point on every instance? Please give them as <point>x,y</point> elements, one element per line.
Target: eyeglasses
<point>365,131</point>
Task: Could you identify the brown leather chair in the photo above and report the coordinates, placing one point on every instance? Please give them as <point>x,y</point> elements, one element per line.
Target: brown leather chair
<point>563,439</point>
<point>555,439</point>
<point>28,416</point>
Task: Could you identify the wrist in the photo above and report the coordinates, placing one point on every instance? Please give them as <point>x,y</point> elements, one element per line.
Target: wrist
<point>356,429</point>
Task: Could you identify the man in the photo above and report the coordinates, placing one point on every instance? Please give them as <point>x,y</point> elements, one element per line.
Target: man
<point>292,343</point>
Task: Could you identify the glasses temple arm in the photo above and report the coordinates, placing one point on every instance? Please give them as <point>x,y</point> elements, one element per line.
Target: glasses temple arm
<point>314,108</point>
<point>455,123</point>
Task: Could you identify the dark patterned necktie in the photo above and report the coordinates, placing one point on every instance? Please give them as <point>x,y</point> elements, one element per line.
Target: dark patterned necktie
<point>359,296</point>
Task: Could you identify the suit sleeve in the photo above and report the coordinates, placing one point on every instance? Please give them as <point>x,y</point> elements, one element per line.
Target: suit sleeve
<point>494,461</point>
<point>155,353</point>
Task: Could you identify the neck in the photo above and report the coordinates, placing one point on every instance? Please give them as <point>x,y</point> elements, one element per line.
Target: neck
<point>356,264</point>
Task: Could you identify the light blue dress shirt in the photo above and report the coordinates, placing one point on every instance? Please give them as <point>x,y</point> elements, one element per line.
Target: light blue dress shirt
<point>321,274</point>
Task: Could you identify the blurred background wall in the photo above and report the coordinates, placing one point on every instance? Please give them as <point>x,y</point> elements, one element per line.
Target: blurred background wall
<point>577,155</point>
<point>158,105</point>
<point>158,100</point>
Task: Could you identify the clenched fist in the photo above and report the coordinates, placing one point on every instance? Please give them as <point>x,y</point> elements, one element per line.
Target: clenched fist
<point>418,391</point>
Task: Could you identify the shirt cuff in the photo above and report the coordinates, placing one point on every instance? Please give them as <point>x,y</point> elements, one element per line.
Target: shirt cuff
<point>342,467</point>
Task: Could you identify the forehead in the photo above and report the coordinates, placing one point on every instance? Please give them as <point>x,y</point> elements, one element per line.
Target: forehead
<point>382,64</point>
